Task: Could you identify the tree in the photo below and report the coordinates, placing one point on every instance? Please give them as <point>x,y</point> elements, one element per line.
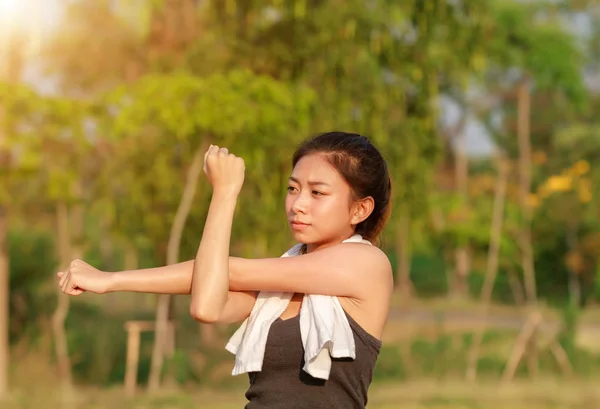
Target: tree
<point>527,50</point>
<point>48,134</point>
<point>534,50</point>
<point>14,59</point>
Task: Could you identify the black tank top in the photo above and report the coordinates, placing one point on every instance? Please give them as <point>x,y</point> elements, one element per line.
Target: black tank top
<point>282,384</point>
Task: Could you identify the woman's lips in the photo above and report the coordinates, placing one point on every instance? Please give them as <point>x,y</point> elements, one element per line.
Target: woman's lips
<point>299,225</point>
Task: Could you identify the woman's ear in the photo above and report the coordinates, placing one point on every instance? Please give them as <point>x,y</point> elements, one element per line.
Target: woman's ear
<point>362,209</point>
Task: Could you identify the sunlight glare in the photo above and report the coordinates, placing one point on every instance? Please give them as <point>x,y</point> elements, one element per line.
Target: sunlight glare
<point>10,8</point>
<point>12,14</point>
<point>20,17</point>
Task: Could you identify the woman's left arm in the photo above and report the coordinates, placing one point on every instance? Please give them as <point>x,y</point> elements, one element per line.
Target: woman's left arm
<point>210,276</point>
<point>347,270</point>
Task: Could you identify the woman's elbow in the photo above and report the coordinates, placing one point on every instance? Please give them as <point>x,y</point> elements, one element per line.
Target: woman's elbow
<point>204,314</point>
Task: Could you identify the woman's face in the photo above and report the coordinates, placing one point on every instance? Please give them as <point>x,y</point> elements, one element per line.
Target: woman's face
<point>318,203</point>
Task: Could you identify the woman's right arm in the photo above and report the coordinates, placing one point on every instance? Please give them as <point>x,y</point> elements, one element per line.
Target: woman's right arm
<point>173,279</point>
<point>177,279</point>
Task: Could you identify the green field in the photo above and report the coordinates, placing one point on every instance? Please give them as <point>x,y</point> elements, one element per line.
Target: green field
<point>546,394</point>
<point>429,374</point>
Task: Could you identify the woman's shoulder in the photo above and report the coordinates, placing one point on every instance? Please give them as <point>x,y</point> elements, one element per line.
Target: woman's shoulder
<point>361,252</point>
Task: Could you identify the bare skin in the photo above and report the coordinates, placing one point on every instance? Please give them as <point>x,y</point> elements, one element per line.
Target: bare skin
<point>321,214</point>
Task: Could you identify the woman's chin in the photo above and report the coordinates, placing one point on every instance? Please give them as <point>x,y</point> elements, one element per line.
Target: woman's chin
<point>302,237</point>
<point>299,236</point>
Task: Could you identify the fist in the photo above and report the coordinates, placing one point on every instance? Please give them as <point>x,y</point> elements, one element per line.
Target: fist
<point>81,277</point>
<point>224,170</point>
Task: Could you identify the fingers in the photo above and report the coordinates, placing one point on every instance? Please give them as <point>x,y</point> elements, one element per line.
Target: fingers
<point>215,151</point>
<point>212,150</point>
<point>204,165</point>
<point>65,282</point>
<point>66,279</point>
<point>209,151</point>
<point>61,277</point>
<point>69,288</point>
<point>242,163</point>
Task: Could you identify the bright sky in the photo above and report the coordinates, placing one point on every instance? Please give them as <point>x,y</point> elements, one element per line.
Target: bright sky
<point>34,16</point>
<point>8,7</point>
<point>10,11</point>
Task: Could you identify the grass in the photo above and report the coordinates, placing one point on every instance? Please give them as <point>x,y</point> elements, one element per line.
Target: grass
<point>35,386</point>
<point>426,394</point>
<point>432,378</point>
<point>473,306</point>
<point>436,383</point>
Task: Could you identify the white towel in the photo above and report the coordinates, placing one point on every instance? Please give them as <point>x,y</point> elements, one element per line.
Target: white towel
<point>324,328</point>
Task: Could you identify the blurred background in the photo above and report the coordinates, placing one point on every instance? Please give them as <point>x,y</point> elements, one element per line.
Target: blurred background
<point>487,111</point>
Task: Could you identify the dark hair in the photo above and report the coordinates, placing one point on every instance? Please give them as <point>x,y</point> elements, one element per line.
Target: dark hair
<point>364,169</point>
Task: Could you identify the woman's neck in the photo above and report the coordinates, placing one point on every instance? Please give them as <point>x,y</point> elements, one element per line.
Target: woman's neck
<point>310,248</point>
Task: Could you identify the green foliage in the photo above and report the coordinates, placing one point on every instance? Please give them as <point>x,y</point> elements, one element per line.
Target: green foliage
<point>524,37</point>
<point>96,344</point>
<point>32,267</point>
<point>428,274</point>
<point>389,364</point>
<point>571,314</point>
<point>220,106</point>
<point>445,357</point>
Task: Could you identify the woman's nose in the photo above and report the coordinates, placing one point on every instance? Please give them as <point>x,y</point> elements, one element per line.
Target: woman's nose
<point>299,204</point>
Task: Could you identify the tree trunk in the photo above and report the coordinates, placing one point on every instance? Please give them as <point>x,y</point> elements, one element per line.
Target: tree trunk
<point>4,280</point>
<point>523,100</point>
<point>77,238</point>
<point>13,62</point>
<point>403,254</point>
<point>131,262</point>
<point>492,262</point>
<point>4,294</point>
<point>461,170</point>
<point>62,308</point>
<point>462,266</point>
<point>163,310</point>
<point>525,240</point>
<point>574,275</point>
<point>173,26</point>
<point>515,287</point>
<point>208,334</point>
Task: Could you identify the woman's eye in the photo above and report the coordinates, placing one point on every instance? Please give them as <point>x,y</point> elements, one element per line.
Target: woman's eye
<point>317,193</point>
<point>291,188</point>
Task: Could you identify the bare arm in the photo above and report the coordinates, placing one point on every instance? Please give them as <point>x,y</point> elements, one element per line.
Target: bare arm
<point>171,279</point>
<point>210,278</point>
<point>177,279</point>
<point>343,270</point>
<point>351,270</point>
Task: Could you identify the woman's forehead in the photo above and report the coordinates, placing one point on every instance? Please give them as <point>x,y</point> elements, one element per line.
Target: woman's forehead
<point>315,168</point>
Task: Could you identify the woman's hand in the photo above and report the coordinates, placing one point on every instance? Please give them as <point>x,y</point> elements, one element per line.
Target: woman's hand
<point>224,170</point>
<point>81,277</point>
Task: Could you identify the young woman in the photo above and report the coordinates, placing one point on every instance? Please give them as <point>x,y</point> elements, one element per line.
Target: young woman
<point>339,187</point>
